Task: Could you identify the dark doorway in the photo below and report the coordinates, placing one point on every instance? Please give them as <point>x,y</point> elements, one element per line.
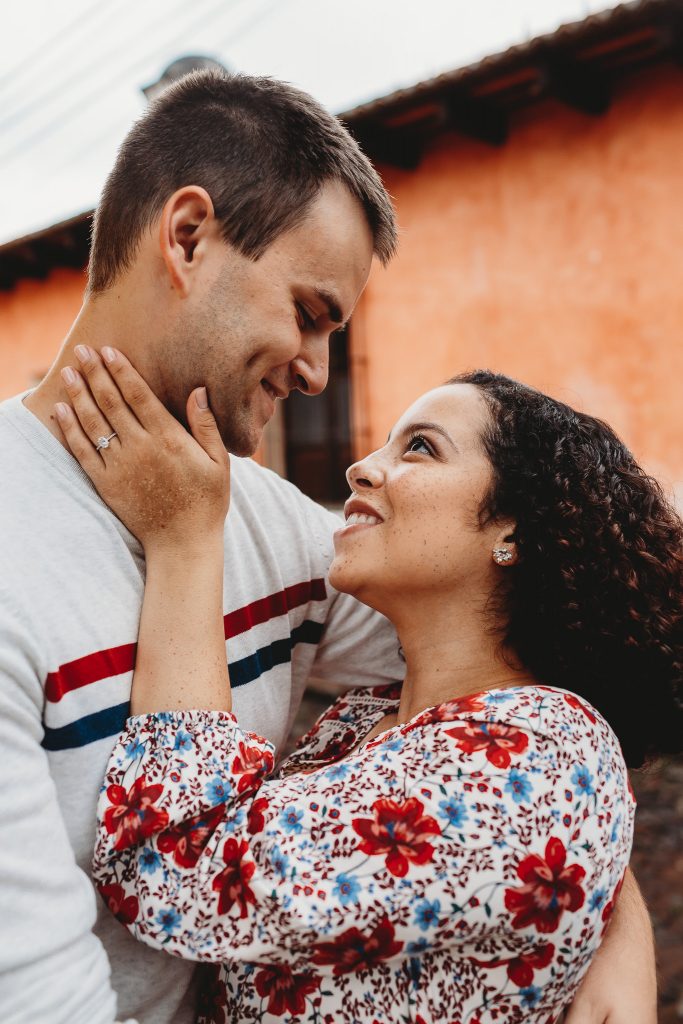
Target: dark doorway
<point>318,432</point>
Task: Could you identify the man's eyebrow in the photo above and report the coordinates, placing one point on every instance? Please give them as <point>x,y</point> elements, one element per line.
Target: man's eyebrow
<point>334,313</point>
<point>415,428</point>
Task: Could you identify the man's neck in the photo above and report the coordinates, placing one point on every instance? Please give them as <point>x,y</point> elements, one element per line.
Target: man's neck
<point>96,325</point>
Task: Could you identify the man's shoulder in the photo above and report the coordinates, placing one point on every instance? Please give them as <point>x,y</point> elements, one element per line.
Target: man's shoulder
<point>265,490</point>
<point>19,465</point>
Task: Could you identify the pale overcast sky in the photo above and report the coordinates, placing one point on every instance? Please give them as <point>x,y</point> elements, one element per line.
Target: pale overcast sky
<point>71,72</point>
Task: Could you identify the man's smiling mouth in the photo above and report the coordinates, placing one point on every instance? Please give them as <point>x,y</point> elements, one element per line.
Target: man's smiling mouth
<point>272,390</point>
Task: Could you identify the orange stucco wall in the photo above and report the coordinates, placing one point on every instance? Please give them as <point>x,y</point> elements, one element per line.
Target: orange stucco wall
<point>557,258</point>
<point>34,318</point>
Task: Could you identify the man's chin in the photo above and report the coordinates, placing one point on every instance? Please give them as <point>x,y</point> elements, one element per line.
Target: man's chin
<point>240,442</point>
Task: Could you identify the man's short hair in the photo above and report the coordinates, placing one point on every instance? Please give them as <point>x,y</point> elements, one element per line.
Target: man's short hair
<point>262,150</point>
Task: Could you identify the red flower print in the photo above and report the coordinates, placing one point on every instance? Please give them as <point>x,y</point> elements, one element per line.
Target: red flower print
<point>251,763</point>
<point>549,889</point>
<point>387,691</point>
<point>354,951</point>
<point>609,906</point>
<point>255,818</point>
<point>449,710</point>
<point>187,840</point>
<point>286,991</point>
<point>470,702</point>
<point>399,831</point>
<point>133,816</point>
<point>337,746</point>
<point>520,968</point>
<point>232,881</point>
<point>574,702</point>
<point>124,908</point>
<point>212,998</point>
<point>499,741</point>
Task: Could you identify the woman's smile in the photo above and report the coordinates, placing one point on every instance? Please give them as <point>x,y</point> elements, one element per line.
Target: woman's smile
<point>359,516</point>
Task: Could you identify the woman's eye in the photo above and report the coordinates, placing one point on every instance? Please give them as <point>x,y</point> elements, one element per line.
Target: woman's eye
<point>418,443</point>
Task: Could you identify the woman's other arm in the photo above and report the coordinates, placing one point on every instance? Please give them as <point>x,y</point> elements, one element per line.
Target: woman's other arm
<point>621,985</point>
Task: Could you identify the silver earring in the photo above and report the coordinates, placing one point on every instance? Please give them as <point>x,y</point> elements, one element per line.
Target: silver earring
<point>501,556</point>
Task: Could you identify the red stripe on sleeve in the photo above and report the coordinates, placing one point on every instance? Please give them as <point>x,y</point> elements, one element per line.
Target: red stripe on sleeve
<point>89,669</point>
<point>92,668</point>
<point>270,607</point>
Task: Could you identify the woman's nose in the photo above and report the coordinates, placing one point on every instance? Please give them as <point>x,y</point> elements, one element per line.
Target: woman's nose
<point>365,474</point>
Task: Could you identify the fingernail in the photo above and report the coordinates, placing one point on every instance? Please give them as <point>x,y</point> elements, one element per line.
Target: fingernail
<point>201,398</point>
<point>69,376</point>
<point>108,354</point>
<point>82,353</point>
<point>62,410</point>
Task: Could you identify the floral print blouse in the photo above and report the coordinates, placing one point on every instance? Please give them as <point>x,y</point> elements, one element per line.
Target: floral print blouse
<point>460,868</point>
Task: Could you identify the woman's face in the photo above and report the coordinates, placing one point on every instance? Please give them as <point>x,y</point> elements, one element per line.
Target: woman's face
<point>412,519</point>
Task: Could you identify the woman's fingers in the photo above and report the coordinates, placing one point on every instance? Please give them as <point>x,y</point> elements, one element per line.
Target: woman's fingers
<point>140,398</point>
<point>79,443</point>
<point>104,390</point>
<point>204,428</point>
<point>90,417</point>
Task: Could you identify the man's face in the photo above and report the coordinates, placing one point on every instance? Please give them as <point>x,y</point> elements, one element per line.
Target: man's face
<point>261,328</point>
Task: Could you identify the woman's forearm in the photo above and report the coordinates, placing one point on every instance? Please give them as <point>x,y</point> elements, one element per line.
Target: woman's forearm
<point>181,661</point>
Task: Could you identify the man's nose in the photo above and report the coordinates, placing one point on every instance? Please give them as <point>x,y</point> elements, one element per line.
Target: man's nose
<point>310,368</point>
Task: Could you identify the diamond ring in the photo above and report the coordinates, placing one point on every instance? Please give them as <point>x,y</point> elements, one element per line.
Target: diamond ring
<point>103,442</point>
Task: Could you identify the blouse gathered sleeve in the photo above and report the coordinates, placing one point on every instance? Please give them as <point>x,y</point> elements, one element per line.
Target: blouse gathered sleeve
<point>421,841</point>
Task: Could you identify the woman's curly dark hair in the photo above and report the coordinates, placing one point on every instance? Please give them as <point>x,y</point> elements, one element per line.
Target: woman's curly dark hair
<point>595,602</point>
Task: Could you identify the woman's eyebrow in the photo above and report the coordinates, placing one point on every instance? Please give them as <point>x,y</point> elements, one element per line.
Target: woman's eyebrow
<point>413,428</point>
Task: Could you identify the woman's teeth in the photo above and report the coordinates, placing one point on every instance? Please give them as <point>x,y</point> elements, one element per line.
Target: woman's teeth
<point>361,519</point>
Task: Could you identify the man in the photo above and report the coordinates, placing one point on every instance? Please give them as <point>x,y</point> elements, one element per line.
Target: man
<point>234,235</point>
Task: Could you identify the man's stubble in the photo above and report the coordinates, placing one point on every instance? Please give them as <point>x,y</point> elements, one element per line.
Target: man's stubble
<point>208,348</point>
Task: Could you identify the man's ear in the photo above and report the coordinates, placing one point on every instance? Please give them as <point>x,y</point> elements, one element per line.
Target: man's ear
<point>187,222</point>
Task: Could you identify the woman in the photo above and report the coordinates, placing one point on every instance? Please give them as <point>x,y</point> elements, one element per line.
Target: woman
<point>447,851</point>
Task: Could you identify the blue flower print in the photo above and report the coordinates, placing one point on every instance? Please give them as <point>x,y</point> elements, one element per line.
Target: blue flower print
<point>415,948</point>
<point>615,828</point>
<point>135,749</point>
<point>149,861</point>
<point>583,781</point>
<point>234,820</point>
<point>500,697</point>
<point>169,919</point>
<point>337,771</point>
<point>389,748</point>
<point>279,860</point>
<point>290,819</point>
<point>597,899</point>
<point>427,914</point>
<point>518,786</point>
<point>218,790</point>
<point>183,740</point>
<point>454,811</point>
<point>530,995</point>
<point>346,889</point>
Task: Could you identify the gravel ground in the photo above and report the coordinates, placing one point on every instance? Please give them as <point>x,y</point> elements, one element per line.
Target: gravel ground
<point>657,860</point>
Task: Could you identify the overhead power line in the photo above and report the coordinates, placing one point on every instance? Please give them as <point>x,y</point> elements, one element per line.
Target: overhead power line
<point>116,130</point>
<point>55,124</point>
<point>49,95</point>
<point>48,46</point>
